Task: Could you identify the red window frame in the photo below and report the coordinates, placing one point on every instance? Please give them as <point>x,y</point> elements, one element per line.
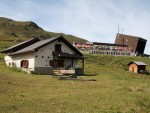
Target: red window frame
<point>56,63</point>
<point>24,63</point>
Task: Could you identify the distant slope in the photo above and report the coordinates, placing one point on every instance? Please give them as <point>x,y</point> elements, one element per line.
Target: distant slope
<point>11,30</point>
<point>107,63</point>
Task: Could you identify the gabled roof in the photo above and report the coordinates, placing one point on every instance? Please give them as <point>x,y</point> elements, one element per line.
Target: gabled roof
<point>20,46</point>
<point>137,63</point>
<point>40,44</point>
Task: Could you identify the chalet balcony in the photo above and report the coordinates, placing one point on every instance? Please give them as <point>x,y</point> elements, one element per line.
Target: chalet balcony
<point>70,58</point>
<point>67,55</point>
<point>55,53</point>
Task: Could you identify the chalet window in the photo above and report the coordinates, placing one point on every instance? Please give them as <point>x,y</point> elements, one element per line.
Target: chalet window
<point>24,63</point>
<point>58,47</point>
<point>57,63</point>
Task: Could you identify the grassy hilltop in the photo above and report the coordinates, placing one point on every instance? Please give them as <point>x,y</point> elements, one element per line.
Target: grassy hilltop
<point>115,91</point>
<point>12,30</point>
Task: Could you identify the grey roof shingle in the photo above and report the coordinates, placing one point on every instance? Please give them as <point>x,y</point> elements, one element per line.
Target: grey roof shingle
<point>38,44</point>
<point>20,46</point>
<point>35,46</point>
<point>139,63</point>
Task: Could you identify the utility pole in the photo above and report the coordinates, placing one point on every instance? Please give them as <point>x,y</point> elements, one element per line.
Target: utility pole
<point>118,28</point>
<point>122,30</point>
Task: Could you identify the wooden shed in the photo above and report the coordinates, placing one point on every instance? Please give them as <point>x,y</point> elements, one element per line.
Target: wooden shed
<point>136,67</point>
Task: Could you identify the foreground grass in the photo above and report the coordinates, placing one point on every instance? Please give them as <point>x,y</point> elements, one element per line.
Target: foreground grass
<point>115,91</point>
<point>30,93</point>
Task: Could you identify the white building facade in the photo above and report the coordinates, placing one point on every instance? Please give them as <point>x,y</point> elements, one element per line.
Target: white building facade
<point>42,57</point>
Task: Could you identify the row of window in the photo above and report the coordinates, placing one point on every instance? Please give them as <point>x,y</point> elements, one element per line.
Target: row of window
<point>111,53</point>
<point>47,57</point>
<point>53,63</point>
<point>42,56</point>
<point>57,48</point>
<point>56,63</point>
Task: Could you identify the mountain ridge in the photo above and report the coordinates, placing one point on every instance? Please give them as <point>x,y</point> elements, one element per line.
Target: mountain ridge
<point>23,30</point>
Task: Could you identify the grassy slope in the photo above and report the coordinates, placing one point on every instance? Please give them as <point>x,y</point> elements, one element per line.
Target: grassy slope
<point>11,30</point>
<point>116,90</point>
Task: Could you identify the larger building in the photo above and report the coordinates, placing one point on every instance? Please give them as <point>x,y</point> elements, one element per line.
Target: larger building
<point>134,43</point>
<point>104,48</point>
<point>110,49</point>
<point>125,45</point>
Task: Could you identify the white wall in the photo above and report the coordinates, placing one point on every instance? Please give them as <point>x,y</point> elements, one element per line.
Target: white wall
<point>8,60</point>
<point>26,56</point>
<point>46,52</point>
<point>41,57</point>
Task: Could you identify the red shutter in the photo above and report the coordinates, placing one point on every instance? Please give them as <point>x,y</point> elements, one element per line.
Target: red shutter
<point>60,63</point>
<point>56,63</point>
<point>24,63</point>
<point>51,63</point>
<point>27,63</point>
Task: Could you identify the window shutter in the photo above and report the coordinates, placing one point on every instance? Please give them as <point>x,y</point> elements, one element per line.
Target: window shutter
<point>21,65</point>
<point>60,63</point>
<point>27,65</point>
<point>56,63</point>
<point>24,63</point>
<point>51,63</point>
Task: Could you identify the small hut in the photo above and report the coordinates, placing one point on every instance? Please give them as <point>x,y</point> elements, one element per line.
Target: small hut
<point>137,67</point>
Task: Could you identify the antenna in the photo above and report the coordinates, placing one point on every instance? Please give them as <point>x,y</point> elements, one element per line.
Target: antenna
<point>122,30</point>
<point>118,28</point>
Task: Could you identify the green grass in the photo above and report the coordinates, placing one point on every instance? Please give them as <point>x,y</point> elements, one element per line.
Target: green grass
<point>32,93</point>
<point>115,91</point>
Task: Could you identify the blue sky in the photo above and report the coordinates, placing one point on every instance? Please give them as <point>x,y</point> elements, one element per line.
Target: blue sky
<point>94,20</point>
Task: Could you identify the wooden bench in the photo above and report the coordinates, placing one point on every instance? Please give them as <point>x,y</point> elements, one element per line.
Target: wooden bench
<point>64,72</point>
<point>67,72</point>
<point>57,72</point>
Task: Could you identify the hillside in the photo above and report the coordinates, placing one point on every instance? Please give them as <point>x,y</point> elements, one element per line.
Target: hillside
<point>11,30</point>
<point>116,90</point>
<point>111,63</point>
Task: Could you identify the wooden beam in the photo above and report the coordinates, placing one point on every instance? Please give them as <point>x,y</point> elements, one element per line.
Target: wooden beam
<point>83,65</point>
<point>72,62</point>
